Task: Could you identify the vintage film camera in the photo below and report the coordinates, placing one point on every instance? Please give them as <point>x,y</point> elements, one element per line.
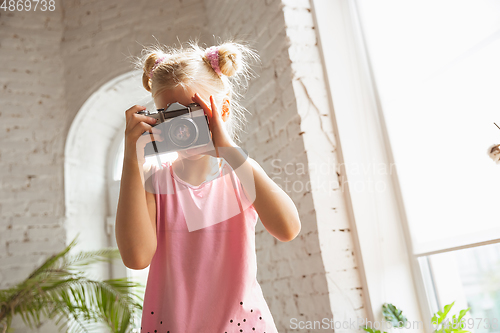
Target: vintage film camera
<point>182,127</point>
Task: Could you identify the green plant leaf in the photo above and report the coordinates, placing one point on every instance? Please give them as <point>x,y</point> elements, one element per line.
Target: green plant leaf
<point>441,315</point>
<point>59,290</point>
<point>393,315</point>
<point>371,330</point>
<point>462,313</point>
<point>447,308</point>
<point>449,326</point>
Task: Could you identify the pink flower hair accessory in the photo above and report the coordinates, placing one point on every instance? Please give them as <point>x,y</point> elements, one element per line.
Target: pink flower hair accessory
<point>212,54</point>
<point>157,62</point>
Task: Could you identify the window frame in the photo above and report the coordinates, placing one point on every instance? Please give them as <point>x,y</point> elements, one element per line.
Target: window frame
<point>379,220</point>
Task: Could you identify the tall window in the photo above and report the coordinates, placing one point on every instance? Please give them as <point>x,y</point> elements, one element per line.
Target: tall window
<point>436,65</point>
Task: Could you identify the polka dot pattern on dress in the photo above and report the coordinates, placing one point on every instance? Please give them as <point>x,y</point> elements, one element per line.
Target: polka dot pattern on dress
<point>250,322</point>
<point>161,323</point>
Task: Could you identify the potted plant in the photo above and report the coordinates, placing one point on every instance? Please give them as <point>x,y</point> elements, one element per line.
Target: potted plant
<point>393,315</point>
<point>60,290</point>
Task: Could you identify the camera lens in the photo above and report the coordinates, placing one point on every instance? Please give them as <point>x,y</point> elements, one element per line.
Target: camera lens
<point>183,132</point>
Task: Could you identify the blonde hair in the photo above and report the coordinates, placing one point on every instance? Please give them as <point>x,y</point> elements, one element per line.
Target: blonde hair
<point>189,67</point>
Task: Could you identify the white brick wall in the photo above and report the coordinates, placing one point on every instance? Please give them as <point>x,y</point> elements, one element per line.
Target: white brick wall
<point>31,136</point>
<point>53,61</point>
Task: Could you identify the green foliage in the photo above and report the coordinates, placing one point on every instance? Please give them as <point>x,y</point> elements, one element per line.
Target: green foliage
<point>59,290</point>
<point>447,326</point>
<point>393,315</point>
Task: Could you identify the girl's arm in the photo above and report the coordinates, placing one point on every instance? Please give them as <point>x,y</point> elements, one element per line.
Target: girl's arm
<point>135,226</point>
<point>276,209</point>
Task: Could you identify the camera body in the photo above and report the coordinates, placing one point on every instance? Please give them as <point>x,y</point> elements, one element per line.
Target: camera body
<point>182,127</point>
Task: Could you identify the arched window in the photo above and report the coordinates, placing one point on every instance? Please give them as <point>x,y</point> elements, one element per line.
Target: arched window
<point>92,168</point>
<point>115,167</point>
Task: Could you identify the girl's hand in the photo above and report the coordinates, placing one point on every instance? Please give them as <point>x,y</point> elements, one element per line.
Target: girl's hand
<point>220,136</point>
<point>136,125</point>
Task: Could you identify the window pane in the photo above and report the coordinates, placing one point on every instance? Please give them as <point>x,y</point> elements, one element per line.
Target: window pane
<point>438,76</point>
<point>140,276</point>
<point>118,165</point>
<point>150,159</point>
<point>471,278</point>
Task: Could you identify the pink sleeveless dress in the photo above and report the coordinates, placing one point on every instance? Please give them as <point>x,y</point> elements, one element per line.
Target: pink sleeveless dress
<point>203,276</point>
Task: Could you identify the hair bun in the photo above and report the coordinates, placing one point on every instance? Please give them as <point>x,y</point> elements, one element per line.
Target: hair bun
<point>150,63</point>
<point>230,59</point>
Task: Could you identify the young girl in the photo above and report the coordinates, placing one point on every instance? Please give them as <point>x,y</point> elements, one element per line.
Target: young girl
<point>203,269</point>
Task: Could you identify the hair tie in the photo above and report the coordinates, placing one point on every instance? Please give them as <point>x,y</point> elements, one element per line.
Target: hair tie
<point>157,62</point>
<point>212,54</point>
